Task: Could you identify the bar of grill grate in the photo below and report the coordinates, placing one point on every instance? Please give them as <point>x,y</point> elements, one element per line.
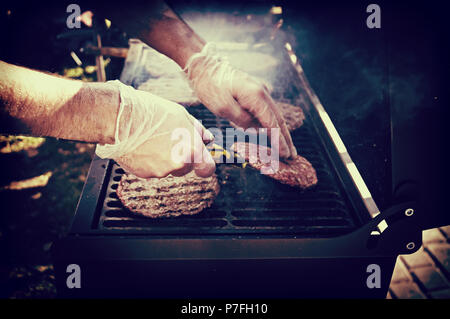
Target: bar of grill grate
<point>248,203</point>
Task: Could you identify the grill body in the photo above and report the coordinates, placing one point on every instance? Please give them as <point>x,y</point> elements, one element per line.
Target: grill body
<point>259,239</point>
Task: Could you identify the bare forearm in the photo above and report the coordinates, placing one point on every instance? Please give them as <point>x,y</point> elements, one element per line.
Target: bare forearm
<point>158,26</point>
<point>44,105</point>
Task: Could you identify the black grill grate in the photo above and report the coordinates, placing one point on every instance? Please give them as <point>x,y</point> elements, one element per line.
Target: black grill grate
<point>248,203</point>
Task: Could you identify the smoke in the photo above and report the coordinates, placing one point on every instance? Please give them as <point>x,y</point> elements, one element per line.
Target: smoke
<point>244,39</point>
<point>357,77</point>
<point>407,95</point>
<point>350,82</point>
<point>347,68</point>
<point>346,63</point>
<point>221,27</point>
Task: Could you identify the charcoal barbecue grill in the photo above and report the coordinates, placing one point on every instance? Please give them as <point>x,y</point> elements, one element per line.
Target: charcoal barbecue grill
<point>259,239</point>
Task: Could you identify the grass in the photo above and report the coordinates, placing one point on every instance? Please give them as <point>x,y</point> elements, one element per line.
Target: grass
<point>41,181</point>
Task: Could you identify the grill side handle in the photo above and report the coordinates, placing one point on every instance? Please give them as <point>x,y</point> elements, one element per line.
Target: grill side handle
<point>419,163</point>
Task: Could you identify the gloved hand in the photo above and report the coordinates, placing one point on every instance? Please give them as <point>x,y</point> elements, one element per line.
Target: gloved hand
<point>145,143</point>
<point>236,96</point>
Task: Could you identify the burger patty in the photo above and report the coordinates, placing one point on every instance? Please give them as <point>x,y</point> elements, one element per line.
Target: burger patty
<point>293,115</point>
<point>169,196</point>
<point>296,172</point>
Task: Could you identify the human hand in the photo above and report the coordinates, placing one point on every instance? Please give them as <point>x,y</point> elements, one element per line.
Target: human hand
<point>236,96</point>
<point>144,141</point>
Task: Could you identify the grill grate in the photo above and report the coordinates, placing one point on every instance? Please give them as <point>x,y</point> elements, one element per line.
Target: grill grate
<point>248,203</point>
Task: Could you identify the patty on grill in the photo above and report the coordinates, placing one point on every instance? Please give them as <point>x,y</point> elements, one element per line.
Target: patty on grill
<point>169,196</point>
<point>293,115</point>
<point>296,172</point>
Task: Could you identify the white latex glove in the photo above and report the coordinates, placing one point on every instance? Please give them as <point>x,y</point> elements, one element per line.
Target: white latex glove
<point>236,96</point>
<point>143,137</point>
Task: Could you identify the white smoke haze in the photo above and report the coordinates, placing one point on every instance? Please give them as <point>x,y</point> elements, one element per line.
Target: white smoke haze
<point>407,95</point>
<point>243,40</point>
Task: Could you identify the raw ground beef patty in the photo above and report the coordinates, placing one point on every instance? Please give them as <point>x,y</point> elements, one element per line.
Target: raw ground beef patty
<point>169,196</point>
<point>297,172</point>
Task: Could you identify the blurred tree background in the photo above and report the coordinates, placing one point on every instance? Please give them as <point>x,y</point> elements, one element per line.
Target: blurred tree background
<point>42,178</point>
